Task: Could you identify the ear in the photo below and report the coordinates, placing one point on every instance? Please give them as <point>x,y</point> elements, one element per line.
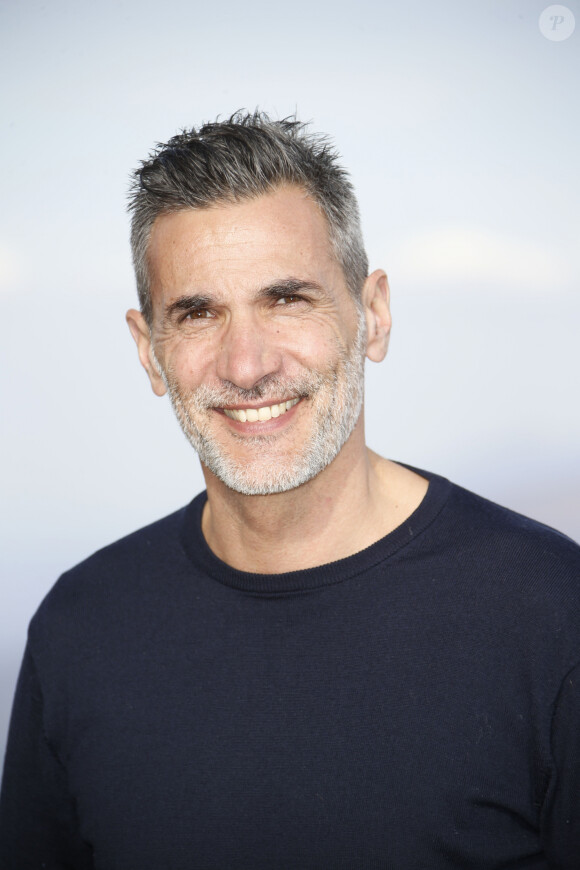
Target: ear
<point>142,335</point>
<point>376,298</point>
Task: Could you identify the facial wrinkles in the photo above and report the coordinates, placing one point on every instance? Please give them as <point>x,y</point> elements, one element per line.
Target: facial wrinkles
<point>334,395</point>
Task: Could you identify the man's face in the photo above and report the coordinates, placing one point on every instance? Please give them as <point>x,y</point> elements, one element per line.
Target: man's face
<point>260,344</point>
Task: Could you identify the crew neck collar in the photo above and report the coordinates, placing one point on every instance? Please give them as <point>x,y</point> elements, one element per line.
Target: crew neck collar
<point>327,574</point>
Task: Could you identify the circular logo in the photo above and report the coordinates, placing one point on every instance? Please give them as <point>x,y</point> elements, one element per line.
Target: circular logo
<point>557,23</point>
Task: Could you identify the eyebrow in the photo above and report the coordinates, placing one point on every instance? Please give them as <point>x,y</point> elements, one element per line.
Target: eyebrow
<point>276,290</point>
<point>194,302</point>
<point>289,287</point>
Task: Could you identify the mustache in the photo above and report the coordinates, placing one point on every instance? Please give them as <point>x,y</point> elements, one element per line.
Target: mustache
<point>270,387</point>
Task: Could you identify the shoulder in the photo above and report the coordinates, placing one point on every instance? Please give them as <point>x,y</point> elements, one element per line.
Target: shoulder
<point>468,522</point>
<point>490,552</point>
<point>484,525</point>
<point>505,587</point>
<point>504,556</point>
<point>114,579</point>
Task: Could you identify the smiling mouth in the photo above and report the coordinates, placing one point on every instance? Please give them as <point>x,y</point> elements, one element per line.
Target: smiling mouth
<point>259,415</point>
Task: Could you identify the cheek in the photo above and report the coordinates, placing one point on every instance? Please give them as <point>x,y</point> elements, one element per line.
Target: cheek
<point>189,362</point>
<point>309,346</point>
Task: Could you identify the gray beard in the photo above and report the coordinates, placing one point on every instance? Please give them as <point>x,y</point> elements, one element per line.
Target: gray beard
<point>337,397</point>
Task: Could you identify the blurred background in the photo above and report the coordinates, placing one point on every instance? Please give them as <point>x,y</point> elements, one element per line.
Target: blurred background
<point>460,125</point>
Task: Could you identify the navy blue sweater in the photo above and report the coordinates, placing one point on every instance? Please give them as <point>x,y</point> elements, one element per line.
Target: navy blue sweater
<point>416,705</point>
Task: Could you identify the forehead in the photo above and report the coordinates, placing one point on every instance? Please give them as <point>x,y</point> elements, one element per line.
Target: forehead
<point>241,245</point>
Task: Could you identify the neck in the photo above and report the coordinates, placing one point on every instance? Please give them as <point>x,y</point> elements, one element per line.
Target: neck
<point>354,502</point>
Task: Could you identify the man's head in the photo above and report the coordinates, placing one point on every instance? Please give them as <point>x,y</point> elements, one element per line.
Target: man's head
<point>242,158</point>
<point>250,318</point>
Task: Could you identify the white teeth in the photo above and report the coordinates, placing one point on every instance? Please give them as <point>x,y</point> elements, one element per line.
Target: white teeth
<point>252,415</point>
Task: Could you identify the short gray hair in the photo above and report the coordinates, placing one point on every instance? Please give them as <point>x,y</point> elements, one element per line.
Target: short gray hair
<point>241,158</point>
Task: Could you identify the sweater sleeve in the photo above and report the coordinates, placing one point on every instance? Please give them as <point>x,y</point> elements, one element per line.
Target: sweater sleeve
<point>38,826</point>
<point>562,816</point>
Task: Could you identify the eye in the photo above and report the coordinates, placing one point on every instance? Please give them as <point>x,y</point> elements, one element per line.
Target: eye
<point>197,314</point>
<point>288,300</point>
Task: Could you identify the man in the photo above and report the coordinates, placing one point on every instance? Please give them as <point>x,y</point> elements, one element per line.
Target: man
<point>328,660</point>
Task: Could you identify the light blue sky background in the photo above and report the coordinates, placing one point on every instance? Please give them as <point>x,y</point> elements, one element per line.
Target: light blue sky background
<point>460,124</point>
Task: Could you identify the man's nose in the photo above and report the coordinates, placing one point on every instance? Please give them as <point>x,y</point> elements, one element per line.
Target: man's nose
<point>248,352</point>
